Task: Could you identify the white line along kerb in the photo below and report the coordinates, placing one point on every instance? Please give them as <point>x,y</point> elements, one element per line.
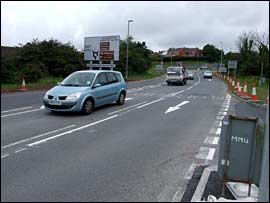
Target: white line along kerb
<point>71,131</point>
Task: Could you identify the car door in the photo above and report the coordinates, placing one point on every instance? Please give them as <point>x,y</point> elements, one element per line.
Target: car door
<point>114,86</point>
<point>102,91</point>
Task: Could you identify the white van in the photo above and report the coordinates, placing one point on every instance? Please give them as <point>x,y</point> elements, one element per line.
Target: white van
<point>177,75</point>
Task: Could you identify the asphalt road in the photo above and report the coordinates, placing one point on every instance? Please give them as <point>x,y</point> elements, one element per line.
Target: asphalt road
<point>144,150</point>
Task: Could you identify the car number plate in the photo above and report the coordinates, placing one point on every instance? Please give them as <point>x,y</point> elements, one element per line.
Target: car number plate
<point>55,103</point>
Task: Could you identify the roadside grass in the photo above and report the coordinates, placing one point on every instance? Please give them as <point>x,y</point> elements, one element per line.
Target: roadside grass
<point>43,83</point>
<point>261,91</point>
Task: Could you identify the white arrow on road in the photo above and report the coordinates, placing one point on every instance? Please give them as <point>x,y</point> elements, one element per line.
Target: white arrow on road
<point>174,108</point>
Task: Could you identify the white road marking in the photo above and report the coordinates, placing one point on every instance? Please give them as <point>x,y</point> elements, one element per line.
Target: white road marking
<point>174,108</point>
<point>190,171</point>
<point>126,99</point>
<point>225,104</point>
<point>71,131</point>
<point>42,107</point>
<point>206,153</point>
<point>20,113</point>
<point>222,113</point>
<point>4,155</point>
<point>20,150</point>
<point>29,107</point>
<point>215,141</point>
<point>126,108</point>
<point>150,103</point>
<point>218,131</point>
<point>25,140</point>
<point>220,117</point>
<point>224,109</point>
<point>217,124</point>
<point>211,140</point>
<point>212,130</point>
<point>174,94</point>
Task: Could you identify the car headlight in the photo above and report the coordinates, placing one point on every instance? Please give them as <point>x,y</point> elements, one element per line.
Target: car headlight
<point>46,95</point>
<point>74,96</point>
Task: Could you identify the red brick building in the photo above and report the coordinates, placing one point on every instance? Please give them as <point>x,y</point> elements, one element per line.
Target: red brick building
<point>184,52</point>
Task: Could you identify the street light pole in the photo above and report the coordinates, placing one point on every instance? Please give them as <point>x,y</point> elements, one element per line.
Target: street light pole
<point>221,56</point>
<point>127,50</point>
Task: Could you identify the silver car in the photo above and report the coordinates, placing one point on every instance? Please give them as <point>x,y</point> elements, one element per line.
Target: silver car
<point>207,74</point>
<point>190,75</point>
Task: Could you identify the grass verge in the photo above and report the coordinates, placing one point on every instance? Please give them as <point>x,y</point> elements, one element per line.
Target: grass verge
<point>43,83</point>
<point>261,91</point>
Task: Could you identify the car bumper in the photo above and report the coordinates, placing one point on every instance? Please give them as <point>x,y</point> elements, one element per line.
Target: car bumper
<point>65,105</point>
<point>174,80</point>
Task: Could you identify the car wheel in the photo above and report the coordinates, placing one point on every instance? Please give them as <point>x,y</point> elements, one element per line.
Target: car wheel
<point>121,99</point>
<point>88,107</point>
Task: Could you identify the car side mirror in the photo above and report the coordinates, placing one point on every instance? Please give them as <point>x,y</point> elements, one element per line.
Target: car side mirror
<point>96,85</point>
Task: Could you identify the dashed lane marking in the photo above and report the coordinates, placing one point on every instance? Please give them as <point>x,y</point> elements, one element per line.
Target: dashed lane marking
<point>127,108</point>
<point>20,113</point>
<point>29,107</point>
<point>150,103</point>
<point>70,131</point>
<point>37,136</point>
<point>20,150</point>
<point>4,155</point>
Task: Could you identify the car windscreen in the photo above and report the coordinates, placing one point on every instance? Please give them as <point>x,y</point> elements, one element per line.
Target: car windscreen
<point>173,69</point>
<point>79,79</point>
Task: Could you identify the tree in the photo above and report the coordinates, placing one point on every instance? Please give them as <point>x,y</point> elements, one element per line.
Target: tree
<point>139,57</point>
<point>212,53</point>
<point>262,43</point>
<point>248,61</point>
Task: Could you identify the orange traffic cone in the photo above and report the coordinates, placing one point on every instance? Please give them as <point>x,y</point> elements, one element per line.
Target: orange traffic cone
<point>233,84</point>
<point>239,90</point>
<point>23,88</point>
<point>253,95</point>
<point>245,93</point>
<point>237,85</point>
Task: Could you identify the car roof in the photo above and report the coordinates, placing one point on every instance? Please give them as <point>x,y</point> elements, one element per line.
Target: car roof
<point>96,71</point>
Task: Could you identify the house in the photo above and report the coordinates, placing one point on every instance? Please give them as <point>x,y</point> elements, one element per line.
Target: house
<point>184,52</point>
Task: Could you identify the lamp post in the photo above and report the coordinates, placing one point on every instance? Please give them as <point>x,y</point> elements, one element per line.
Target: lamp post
<point>129,21</point>
<point>221,62</point>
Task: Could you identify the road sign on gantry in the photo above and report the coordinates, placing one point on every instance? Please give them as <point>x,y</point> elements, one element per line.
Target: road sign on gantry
<point>102,48</point>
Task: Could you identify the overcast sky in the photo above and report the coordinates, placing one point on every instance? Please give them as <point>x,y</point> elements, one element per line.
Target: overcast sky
<point>160,24</point>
